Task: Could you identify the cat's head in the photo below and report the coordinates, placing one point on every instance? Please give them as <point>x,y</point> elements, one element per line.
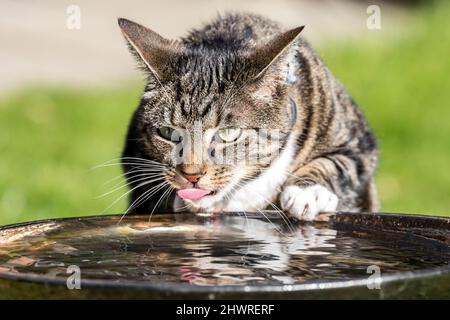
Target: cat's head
<point>214,116</point>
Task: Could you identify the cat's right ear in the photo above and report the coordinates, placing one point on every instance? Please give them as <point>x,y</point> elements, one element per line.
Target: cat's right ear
<point>154,51</point>
<point>274,51</point>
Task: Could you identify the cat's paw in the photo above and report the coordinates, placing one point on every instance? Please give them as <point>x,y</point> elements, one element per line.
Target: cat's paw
<point>306,203</point>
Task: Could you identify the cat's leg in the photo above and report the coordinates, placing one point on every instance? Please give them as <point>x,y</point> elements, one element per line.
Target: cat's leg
<point>326,184</point>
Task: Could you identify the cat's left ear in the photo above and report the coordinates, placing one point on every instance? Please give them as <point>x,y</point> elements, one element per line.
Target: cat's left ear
<point>272,52</point>
<point>153,50</point>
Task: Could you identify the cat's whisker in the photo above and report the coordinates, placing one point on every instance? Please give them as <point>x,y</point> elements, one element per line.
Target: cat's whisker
<point>166,193</point>
<point>151,190</point>
<point>281,212</point>
<point>267,218</point>
<point>129,180</point>
<point>141,159</point>
<point>290,174</point>
<point>227,196</point>
<point>135,159</point>
<point>278,210</point>
<point>136,164</point>
<point>128,184</point>
<point>146,195</point>
<point>128,192</point>
<point>129,161</point>
<point>271,223</point>
<point>167,199</point>
<point>183,207</point>
<point>124,175</point>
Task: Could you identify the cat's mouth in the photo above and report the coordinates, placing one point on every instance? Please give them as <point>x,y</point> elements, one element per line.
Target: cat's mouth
<point>194,193</point>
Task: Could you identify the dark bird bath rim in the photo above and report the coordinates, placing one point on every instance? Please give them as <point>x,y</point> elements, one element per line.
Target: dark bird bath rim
<point>429,282</point>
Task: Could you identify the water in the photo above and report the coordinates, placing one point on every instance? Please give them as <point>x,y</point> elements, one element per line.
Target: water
<point>210,250</point>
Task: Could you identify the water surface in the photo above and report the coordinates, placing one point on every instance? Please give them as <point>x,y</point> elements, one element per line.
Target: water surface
<point>210,250</point>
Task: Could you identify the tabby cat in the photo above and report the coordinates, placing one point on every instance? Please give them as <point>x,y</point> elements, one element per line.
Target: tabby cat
<point>238,76</point>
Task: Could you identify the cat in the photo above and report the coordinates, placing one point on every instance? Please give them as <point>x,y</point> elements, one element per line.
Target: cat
<point>238,75</point>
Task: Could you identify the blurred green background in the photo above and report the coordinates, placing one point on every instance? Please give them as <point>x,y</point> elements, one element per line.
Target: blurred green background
<point>52,137</point>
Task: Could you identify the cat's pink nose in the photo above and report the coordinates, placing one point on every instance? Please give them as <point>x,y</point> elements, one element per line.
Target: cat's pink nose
<point>193,178</point>
<point>192,173</point>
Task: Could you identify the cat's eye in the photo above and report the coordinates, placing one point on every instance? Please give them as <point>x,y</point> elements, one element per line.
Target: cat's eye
<point>169,133</point>
<point>229,134</point>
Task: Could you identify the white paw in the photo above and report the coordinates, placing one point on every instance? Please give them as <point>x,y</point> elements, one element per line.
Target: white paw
<point>306,203</point>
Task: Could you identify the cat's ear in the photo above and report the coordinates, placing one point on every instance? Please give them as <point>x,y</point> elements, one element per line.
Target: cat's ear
<point>153,50</point>
<point>273,51</point>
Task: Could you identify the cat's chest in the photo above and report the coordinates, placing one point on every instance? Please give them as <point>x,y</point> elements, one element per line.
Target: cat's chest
<point>263,191</point>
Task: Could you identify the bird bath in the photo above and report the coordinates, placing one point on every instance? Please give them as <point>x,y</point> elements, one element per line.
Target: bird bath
<point>236,255</point>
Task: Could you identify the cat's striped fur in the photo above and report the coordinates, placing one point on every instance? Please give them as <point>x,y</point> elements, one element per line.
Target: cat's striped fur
<point>244,71</point>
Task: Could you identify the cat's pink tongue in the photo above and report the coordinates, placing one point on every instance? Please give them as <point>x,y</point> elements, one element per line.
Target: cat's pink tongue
<point>192,193</point>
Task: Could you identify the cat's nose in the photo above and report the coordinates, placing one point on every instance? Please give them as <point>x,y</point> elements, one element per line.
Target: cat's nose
<point>192,173</point>
<point>193,178</point>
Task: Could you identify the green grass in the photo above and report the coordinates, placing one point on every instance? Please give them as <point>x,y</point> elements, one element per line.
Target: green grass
<point>52,137</point>
<point>51,140</point>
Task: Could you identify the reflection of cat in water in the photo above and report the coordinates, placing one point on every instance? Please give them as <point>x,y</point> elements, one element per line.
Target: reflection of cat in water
<point>263,249</point>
